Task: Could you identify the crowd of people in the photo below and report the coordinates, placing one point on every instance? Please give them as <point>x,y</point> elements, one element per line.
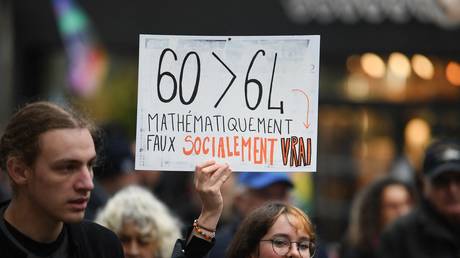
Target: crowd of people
<point>73,192</point>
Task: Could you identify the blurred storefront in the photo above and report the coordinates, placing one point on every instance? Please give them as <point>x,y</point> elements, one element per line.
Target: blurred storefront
<point>389,76</point>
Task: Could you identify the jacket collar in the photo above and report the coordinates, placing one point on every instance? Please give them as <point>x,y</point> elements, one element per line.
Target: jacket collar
<point>434,224</point>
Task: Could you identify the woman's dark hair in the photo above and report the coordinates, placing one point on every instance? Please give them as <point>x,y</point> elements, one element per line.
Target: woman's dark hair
<point>246,240</point>
<point>366,213</point>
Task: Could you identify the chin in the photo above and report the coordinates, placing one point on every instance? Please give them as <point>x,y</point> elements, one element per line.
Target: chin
<point>73,218</point>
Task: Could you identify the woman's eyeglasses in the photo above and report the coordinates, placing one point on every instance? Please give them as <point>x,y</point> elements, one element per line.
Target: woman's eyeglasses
<point>281,246</point>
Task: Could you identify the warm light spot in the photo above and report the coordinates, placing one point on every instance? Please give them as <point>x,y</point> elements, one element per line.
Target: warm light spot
<point>353,64</point>
<point>395,84</point>
<point>423,67</point>
<point>399,65</point>
<point>357,86</point>
<point>453,73</point>
<point>417,132</point>
<point>373,65</point>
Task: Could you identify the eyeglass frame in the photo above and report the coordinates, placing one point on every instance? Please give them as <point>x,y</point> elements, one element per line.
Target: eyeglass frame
<point>311,246</point>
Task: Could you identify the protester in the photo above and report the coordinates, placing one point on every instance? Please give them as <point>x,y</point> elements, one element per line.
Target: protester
<point>433,229</point>
<point>274,230</point>
<point>48,153</point>
<point>373,209</point>
<point>254,190</point>
<point>143,223</point>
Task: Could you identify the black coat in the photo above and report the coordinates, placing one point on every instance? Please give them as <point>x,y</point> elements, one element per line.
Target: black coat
<point>86,240</point>
<point>421,234</point>
<point>196,248</point>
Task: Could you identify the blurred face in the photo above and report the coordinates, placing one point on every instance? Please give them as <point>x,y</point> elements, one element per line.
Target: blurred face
<point>60,182</point>
<point>135,244</point>
<point>279,240</point>
<point>396,201</point>
<point>147,178</point>
<point>116,183</point>
<point>443,192</point>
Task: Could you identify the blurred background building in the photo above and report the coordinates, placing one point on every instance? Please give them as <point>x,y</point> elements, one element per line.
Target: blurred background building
<point>389,75</point>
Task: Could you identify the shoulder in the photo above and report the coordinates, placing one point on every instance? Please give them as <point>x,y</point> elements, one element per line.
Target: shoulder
<point>95,239</point>
<point>403,233</point>
<point>93,230</point>
<point>405,223</point>
<point>8,249</point>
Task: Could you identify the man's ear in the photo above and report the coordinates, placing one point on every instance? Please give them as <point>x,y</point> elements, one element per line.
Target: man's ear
<point>17,170</point>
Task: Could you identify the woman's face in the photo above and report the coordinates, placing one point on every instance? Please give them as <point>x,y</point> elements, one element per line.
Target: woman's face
<point>135,244</point>
<point>396,202</point>
<point>279,240</point>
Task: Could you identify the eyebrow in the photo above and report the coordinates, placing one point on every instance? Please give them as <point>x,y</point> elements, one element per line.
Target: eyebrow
<point>74,161</point>
<point>303,238</point>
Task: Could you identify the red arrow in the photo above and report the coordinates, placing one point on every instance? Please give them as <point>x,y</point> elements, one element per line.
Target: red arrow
<point>306,124</point>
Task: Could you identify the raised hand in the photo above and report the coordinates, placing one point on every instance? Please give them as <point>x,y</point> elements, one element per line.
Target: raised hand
<point>209,178</point>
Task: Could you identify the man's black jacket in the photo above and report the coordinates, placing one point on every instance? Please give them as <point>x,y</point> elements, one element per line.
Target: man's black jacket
<point>86,240</point>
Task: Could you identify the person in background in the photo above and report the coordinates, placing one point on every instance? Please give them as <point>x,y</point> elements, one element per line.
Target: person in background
<point>433,228</point>
<point>145,226</point>
<point>253,190</point>
<point>276,229</point>
<point>373,209</point>
<point>114,169</point>
<point>176,190</point>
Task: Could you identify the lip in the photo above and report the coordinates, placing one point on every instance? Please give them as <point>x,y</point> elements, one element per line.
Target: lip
<point>78,204</point>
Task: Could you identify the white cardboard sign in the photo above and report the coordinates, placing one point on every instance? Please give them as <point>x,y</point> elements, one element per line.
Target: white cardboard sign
<point>250,101</point>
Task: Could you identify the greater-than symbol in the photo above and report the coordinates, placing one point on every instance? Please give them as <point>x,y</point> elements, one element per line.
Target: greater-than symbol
<point>231,81</point>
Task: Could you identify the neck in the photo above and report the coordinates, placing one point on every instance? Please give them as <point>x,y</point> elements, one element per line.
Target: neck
<point>31,222</point>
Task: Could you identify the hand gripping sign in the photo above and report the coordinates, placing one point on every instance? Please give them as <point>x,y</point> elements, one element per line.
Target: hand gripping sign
<point>249,101</point>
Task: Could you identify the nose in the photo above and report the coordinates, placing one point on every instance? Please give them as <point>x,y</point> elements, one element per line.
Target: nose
<point>131,249</point>
<point>294,251</point>
<point>85,180</point>
<point>454,186</point>
<point>403,209</point>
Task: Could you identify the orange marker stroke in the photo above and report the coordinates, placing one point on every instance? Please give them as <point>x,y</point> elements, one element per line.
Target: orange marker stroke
<point>306,124</point>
